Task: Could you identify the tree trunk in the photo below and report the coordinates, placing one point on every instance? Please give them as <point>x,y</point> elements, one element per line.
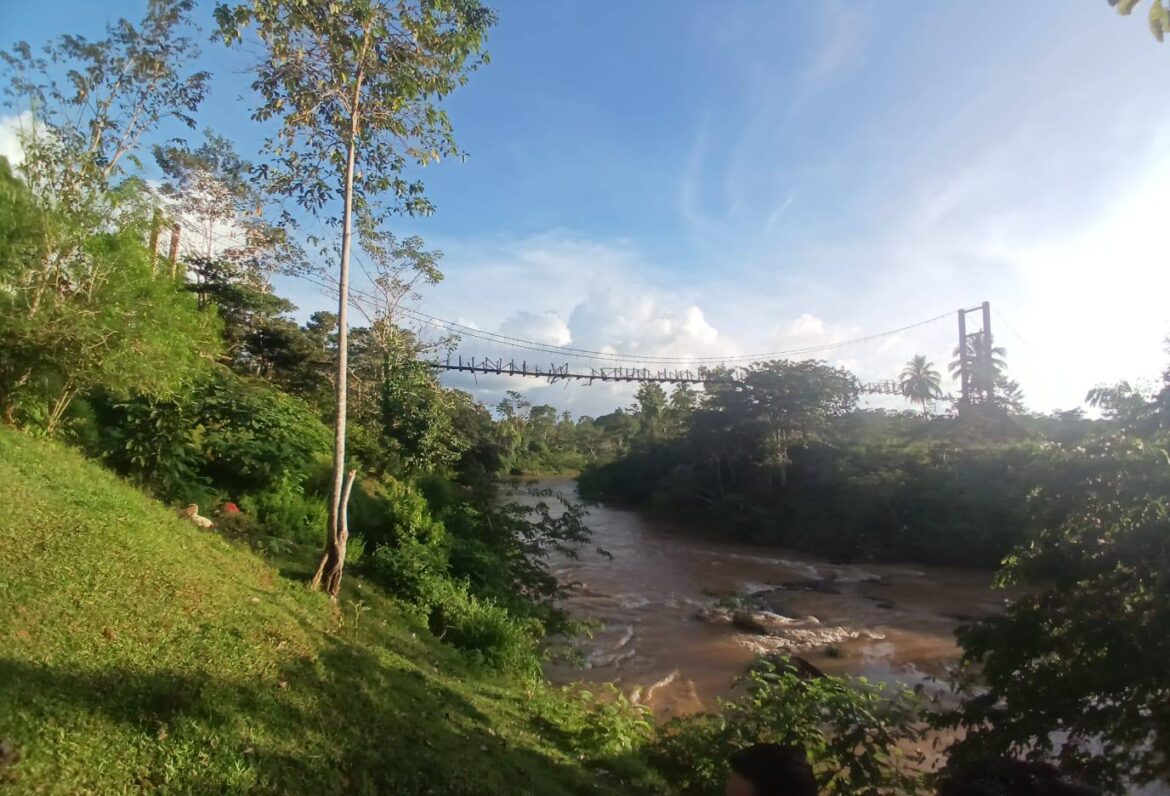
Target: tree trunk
<point>332,564</point>
<point>333,557</point>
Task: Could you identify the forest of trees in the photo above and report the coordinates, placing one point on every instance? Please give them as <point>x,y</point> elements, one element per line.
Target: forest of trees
<point>785,455</point>
<point>186,374</point>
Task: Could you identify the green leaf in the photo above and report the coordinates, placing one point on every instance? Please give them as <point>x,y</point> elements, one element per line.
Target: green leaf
<point>1159,20</point>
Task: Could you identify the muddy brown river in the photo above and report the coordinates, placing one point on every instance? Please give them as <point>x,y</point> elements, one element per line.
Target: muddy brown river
<point>667,640</point>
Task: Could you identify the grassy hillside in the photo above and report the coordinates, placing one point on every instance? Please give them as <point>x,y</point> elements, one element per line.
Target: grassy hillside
<point>139,653</point>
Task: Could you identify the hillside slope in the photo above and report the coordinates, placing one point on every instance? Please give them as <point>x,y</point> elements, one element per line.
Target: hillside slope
<point>139,653</point>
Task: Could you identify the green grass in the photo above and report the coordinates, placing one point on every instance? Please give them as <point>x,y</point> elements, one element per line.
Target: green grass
<point>139,653</point>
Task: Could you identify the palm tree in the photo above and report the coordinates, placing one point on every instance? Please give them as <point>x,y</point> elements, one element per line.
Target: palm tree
<point>920,382</point>
<point>1008,395</point>
<point>986,362</point>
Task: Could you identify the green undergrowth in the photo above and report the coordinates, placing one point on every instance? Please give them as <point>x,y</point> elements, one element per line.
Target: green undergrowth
<point>140,653</point>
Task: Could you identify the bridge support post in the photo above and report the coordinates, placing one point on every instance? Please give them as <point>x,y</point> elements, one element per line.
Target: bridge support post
<point>987,346</point>
<point>975,348</point>
<point>964,369</point>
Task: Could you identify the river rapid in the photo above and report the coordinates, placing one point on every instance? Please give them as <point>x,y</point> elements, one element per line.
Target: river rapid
<point>664,602</point>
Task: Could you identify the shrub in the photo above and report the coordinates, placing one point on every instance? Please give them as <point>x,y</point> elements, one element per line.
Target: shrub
<point>225,434</point>
<point>1074,671</point>
<point>255,436</point>
<point>355,549</point>
<point>502,549</point>
<point>287,512</point>
<point>119,325</point>
<point>410,550</point>
<point>440,492</point>
<point>613,725</point>
<point>151,441</point>
<point>855,732</point>
<point>486,631</point>
<point>412,572</point>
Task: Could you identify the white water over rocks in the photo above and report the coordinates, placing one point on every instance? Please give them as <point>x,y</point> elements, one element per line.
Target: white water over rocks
<point>681,616</point>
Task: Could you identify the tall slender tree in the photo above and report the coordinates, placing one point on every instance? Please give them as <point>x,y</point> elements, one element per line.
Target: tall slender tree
<point>355,87</point>
<point>920,382</point>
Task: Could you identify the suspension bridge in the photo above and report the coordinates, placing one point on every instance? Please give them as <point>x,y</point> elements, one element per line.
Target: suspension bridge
<point>562,372</point>
<point>589,366</point>
<point>706,371</point>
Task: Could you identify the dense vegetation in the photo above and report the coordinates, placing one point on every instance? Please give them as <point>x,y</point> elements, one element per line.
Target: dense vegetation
<point>786,457</point>
<point>1074,509</point>
<point>143,652</point>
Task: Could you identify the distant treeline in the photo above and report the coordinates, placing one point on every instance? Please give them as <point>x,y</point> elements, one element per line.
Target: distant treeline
<point>787,458</point>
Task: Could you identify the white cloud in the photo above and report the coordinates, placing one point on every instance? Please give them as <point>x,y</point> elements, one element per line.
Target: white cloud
<point>10,127</point>
<point>839,49</point>
<point>547,327</point>
<point>634,319</point>
<point>600,296</point>
<point>780,209</point>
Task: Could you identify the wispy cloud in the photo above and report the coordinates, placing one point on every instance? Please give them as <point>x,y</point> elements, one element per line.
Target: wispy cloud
<point>780,209</point>
<point>741,175</point>
<point>840,47</point>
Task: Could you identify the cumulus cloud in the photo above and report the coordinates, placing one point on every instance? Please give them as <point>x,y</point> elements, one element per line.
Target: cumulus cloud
<point>808,330</point>
<point>609,298</point>
<point>590,295</point>
<point>545,327</point>
<point>1019,191</point>
<point>649,324</point>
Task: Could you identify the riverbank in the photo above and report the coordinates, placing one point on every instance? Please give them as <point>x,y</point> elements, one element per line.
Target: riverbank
<point>141,653</point>
<point>956,502</point>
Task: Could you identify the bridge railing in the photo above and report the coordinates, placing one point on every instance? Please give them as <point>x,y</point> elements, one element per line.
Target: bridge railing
<point>555,372</point>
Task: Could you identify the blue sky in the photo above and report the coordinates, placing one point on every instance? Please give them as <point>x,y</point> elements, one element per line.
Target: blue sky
<point>692,178</point>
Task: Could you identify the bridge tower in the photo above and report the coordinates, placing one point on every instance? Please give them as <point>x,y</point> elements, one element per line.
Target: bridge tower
<point>974,348</point>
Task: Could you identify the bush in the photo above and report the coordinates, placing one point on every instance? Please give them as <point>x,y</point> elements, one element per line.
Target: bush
<point>287,512</point>
<point>603,728</point>
<point>151,441</point>
<point>441,493</point>
<point>1074,671</point>
<point>412,572</point>
<point>612,725</point>
<point>410,549</point>
<point>355,550</point>
<point>855,733</point>
<point>119,325</point>
<point>255,437</point>
<point>486,631</point>
<point>225,434</point>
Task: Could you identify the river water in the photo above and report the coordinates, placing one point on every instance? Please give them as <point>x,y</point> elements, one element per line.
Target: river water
<point>667,643</point>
